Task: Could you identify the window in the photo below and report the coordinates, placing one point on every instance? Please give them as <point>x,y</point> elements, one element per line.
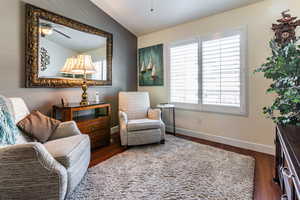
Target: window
<point>101,70</point>
<point>208,74</point>
<point>221,71</point>
<point>184,73</point>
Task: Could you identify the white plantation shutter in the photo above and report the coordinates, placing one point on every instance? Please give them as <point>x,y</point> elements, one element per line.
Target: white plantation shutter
<point>184,73</point>
<point>209,73</point>
<point>221,65</point>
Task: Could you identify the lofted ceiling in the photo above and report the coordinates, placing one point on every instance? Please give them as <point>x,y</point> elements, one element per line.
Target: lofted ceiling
<point>136,16</point>
<point>79,41</point>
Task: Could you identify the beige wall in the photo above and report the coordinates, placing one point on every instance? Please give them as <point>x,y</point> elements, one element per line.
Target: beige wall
<point>258,18</point>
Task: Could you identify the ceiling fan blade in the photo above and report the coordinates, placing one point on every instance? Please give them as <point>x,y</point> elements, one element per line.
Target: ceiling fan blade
<point>57,31</point>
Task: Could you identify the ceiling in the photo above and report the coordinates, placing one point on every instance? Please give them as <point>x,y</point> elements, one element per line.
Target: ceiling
<point>136,16</point>
<point>79,41</point>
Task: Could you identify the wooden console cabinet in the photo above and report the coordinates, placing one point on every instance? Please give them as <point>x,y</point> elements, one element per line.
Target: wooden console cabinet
<point>93,119</point>
<point>287,165</point>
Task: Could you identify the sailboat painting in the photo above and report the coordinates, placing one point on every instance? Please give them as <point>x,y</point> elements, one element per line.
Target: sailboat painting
<point>150,66</point>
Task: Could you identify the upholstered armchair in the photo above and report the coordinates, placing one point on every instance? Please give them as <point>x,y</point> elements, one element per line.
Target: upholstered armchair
<point>32,170</point>
<point>139,124</point>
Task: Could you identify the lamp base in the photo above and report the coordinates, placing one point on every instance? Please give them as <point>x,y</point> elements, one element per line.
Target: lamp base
<point>84,102</point>
<point>84,96</point>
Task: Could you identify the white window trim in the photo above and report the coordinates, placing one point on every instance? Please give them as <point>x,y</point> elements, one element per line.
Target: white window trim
<point>243,109</point>
<point>186,106</point>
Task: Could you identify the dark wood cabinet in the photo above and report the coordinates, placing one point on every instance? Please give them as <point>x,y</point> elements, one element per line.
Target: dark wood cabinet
<point>287,163</point>
<point>93,119</point>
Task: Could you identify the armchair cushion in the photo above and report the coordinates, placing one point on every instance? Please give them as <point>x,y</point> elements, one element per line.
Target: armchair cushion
<point>154,114</point>
<point>65,129</point>
<point>143,124</point>
<point>134,104</point>
<point>68,150</point>
<point>19,111</point>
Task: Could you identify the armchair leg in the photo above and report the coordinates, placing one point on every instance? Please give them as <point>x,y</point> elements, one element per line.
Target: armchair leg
<point>162,141</point>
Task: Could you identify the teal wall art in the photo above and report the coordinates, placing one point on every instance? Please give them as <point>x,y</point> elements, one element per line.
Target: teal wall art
<point>151,66</point>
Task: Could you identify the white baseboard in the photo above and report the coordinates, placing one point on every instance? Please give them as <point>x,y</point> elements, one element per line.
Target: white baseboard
<point>114,129</point>
<point>268,149</point>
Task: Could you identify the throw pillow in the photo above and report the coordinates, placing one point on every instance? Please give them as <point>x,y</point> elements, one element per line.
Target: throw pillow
<point>8,128</point>
<point>38,126</point>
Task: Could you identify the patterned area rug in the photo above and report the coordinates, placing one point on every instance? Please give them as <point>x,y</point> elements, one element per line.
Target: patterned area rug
<point>179,169</point>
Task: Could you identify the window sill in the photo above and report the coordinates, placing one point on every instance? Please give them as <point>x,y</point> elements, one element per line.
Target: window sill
<point>212,109</point>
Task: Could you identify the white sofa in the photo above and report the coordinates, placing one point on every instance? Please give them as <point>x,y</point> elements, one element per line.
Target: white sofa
<point>31,170</point>
<point>139,124</point>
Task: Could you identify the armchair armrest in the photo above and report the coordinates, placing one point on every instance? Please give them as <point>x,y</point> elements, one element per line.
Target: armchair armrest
<point>65,129</point>
<point>123,117</point>
<point>123,120</point>
<point>28,171</point>
<point>154,114</point>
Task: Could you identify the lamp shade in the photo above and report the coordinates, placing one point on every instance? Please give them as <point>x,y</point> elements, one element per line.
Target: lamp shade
<point>67,68</point>
<point>84,65</point>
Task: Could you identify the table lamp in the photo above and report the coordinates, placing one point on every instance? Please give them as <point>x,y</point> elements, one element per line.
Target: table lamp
<point>84,65</point>
<point>67,68</point>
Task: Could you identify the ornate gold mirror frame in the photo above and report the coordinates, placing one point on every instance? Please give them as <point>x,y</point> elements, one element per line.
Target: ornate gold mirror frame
<point>33,14</point>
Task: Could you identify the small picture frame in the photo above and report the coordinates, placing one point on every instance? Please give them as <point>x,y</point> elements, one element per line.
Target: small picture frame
<point>64,102</point>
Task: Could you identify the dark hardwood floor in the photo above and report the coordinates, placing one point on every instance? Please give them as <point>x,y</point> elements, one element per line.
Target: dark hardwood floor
<point>265,188</point>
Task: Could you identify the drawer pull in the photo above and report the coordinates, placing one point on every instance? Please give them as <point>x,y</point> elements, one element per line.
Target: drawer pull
<point>284,197</point>
<point>93,128</point>
<point>286,172</point>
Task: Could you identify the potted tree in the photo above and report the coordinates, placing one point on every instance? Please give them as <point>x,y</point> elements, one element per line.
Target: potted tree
<point>283,68</point>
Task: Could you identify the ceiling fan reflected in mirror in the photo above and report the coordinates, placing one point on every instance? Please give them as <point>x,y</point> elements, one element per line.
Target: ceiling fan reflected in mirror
<point>48,29</point>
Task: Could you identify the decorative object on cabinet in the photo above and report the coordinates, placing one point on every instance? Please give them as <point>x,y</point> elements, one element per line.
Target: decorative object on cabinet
<point>283,69</point>
<point>64,38</point>
<point>83,65</point>
<point>151,66</point>
<point>97,97</point>
<point>93,119</point>
<point>287,163</point>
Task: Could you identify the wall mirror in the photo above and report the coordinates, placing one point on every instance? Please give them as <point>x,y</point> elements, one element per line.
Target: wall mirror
<point>54,43</point>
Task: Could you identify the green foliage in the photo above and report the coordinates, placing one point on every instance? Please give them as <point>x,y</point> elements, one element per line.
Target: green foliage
<point>283,68</point>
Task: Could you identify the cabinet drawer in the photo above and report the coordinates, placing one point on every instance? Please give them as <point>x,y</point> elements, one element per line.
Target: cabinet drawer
<point>93,120</point>
<point>93,125</point>
<point>99,138</point>
<point>288,185</point>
